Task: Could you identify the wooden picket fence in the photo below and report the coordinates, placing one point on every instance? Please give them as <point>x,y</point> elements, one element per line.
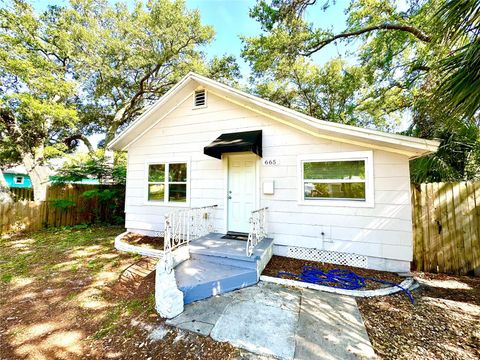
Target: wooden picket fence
<point>65,206</point>
<point>22,193</point>
<point>446,220</point>
<point>446,227</point>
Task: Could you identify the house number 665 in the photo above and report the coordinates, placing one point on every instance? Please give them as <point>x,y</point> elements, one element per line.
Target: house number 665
<point>270,162</point>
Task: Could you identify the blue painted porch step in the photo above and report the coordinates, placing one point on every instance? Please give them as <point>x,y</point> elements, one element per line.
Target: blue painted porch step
<point>199,279</point>
<point>219,265</point>
<point>213,248</point>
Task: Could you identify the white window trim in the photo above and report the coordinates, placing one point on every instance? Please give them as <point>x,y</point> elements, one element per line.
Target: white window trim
<point>206,99</point>
<point>367,156</point>
<point>18,183</point>
<point>166,203</point>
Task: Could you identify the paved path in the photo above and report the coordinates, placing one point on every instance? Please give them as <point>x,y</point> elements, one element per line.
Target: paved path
<point>285,323</point>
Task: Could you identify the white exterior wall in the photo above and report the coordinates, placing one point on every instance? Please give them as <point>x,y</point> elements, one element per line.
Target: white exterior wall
<point>380,232</point>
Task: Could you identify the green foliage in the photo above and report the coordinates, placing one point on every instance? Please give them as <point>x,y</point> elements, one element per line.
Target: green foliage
<point>103,195</point>
<point>420,63</point>
<point>127,57</point>
<point>329,92</point>
<point>54,250</point>
<point>123,308</point>
<point>457,159</point>
<point>19,266</point>
<point>37,86</point>
<point>62,204</point>
<point>6,278</point>
<point>77,227</point>
<point>460,24</point>
<point>94,166</point>
<point>367,93</point>
<point>98,166</point>
<point>92,67</point>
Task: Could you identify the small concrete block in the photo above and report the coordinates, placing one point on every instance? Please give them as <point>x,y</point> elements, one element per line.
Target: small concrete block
<point>201,316</point>
<point>405,274</point>
<point>196,327</point>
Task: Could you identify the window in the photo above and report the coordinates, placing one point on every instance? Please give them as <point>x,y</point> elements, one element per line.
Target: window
<point>167,183</point>
<point>18,180</point>
<point>337,178</point>
<point>200,98</point>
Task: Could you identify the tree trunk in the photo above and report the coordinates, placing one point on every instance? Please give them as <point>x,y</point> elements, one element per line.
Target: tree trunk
<point>38,176</point>
<point>114,125</point>
<point>3,182</point>
<point>5,195</point>
<point>112,132</point>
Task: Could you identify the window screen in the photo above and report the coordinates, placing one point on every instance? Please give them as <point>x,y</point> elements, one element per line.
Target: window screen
<point>342,179</point>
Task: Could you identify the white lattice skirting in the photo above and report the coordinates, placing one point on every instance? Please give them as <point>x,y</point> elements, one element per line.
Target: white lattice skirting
<point>333,257</point>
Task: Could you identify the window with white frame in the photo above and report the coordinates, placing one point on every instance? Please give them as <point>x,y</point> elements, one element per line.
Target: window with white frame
<point>167,182</point>
<point>18,180</point>
<point>337,177</point>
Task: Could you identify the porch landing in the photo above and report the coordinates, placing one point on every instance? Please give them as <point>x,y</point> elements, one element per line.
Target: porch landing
<point>220,265</point>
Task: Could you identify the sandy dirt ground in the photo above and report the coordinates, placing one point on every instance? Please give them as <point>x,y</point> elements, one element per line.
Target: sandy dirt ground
<point>68,294</point>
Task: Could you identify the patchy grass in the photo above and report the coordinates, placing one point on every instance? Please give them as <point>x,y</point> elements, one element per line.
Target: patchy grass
<point>123,310</point>
<point>6,278</point>
<point>109,322</point>
<point>63,297</point>
<point>22,256</point>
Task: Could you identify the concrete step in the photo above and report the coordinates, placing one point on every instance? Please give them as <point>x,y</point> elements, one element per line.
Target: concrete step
<point>246,264</point>
<point>231,252</point>
<point>199,279</point>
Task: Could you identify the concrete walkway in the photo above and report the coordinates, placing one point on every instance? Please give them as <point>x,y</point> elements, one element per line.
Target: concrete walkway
<point>281,322</point>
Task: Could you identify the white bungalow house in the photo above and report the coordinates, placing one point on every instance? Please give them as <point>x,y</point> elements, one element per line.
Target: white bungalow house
<point>329,192</point>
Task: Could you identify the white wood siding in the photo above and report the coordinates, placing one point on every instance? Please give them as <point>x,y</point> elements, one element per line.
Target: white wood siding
<point>383,231</point>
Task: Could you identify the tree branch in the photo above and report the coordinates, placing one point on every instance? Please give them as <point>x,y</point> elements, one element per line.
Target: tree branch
<point>68,141</point>
<point>138,95</point>
<point>421,68</point>
<point>419,34</point>
<point>304,92</point>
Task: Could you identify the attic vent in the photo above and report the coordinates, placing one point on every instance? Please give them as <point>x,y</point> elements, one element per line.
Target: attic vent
<point>200,98</point>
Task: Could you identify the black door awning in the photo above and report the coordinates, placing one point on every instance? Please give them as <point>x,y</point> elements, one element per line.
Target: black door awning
<point>235,142</point>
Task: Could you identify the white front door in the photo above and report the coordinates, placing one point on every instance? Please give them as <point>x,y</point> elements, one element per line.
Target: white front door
<point>241,191</point>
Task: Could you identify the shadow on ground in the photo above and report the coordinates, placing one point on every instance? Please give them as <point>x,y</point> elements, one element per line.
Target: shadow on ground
<point>68,294</point>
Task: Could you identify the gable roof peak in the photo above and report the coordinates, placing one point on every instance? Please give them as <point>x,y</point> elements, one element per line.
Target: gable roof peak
<point>410,146</point>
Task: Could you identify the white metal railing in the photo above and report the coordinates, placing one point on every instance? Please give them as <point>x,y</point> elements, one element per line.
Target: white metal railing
<point>258,229</point>
<point>183,226</point>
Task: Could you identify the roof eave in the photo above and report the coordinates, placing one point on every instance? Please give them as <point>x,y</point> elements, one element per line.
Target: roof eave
<point>410,146</point>
<point>417,147</point>
<point>115,144</point>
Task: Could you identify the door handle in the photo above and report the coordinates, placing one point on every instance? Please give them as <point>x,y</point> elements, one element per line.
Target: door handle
<point>229,197</point>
